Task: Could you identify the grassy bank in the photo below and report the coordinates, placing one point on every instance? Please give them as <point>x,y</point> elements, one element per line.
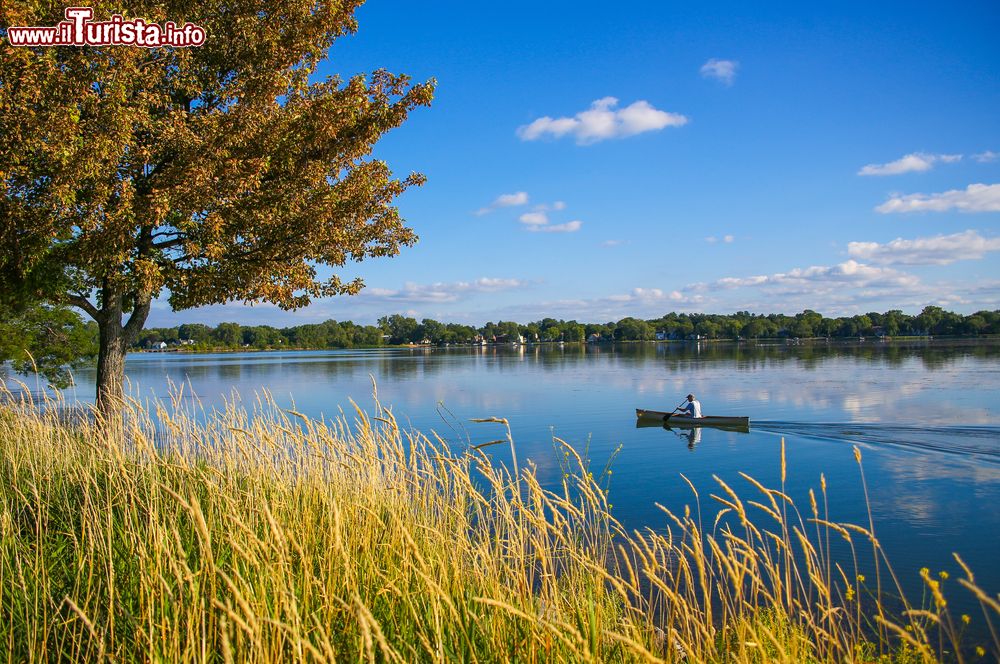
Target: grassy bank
<point>278,538</point>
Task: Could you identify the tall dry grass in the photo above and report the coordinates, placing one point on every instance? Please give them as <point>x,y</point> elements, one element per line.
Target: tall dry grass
<point>269,536</point>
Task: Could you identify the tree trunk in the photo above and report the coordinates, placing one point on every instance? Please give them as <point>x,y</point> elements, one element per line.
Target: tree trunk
<point>111,367</point>
<point>115,338</point>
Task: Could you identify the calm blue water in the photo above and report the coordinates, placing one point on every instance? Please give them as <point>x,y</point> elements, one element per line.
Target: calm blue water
<point>926,418</point>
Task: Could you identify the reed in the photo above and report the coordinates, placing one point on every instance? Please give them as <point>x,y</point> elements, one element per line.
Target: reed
<point>264,535</point>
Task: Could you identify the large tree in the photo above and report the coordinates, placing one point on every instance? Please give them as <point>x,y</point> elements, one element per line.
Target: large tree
<point>215,173</point>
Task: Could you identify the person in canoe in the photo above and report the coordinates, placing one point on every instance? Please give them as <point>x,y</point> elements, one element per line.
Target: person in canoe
<point>691,409</point>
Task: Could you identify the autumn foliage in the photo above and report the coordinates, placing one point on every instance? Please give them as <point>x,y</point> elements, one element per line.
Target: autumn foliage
<point>218,173</point>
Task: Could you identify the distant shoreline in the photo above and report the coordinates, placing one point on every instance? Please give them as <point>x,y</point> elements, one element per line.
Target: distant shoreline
<point>764,341</point>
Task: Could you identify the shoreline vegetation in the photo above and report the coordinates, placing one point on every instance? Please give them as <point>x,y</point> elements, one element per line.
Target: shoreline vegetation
<point>269,536</point>
<point>762,342</point>
<point>398,330</point>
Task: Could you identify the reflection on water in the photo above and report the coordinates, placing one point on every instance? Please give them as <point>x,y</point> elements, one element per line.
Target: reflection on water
<point>925,416</point>
<point>691,435</point>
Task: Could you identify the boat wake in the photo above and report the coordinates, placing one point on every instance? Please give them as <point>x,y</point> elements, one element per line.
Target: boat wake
<point>978,441</point>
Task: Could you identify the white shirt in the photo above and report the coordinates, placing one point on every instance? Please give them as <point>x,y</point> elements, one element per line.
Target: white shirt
<point>693,408</point>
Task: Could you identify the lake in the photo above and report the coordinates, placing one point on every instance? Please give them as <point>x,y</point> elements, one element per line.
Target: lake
<point>924,414</point>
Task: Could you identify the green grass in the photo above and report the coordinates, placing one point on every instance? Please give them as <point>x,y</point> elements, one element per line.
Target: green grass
<point>274,537</point>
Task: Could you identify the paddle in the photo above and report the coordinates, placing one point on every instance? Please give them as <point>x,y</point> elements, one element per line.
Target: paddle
<point>667,416</point>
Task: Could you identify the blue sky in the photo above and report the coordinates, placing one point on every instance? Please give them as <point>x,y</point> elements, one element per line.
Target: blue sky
<point>594,162</point>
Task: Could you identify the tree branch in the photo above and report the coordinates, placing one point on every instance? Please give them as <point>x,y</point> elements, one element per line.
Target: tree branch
<point>169,244</point>
<point>137,320</point>
<point>167,233</point>
<point>85,304</point>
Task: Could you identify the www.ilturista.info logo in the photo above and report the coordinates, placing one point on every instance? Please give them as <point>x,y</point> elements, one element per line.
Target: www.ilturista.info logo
<point>79,30</point>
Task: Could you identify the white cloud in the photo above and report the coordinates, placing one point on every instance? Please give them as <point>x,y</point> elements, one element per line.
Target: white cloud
<point>849,272</point>
<point>438,301</point>
<point>726,283</point>
<point>986,157</point>
<point>639,302</point>
<point>537,221</point>
<point>494,284</point>
<point>728,239</point>
<point>441,292</point>
<point>711,239</point>
<point>852,286</point>
<point>612,243</point>
<point>657,295</point>
<point>546,207</point>
<point>653,295</point>
<point>916,162</point>
<point>845,288</point>
<point>534,218</point>
<point>602,121</point>
<point>975,198</point>
<point>840,290</point>
<point>505,200</point>
<point>938,250</point>
<point>722,70</point>
<point>568,227</point>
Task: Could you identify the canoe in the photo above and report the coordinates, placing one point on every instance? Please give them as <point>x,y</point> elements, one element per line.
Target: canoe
<point>683,420</point>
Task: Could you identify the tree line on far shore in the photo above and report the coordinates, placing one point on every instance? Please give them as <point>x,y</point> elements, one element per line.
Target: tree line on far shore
<point>398,329</point>
<point>54,340</point>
